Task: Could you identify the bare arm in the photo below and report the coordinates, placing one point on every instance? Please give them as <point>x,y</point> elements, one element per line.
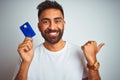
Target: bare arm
<point>93,75</point>
<point>90,50</point>
<point>23,71</point>
<point>25,50</point>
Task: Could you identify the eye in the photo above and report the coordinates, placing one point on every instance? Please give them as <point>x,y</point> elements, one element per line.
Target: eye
<point>45,21</point>
<point>57,21</point>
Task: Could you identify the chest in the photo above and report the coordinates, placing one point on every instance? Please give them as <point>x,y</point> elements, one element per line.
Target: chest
<point>56,67</point>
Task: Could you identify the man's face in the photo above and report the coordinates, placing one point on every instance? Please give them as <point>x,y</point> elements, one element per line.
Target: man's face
<point>51,25</point>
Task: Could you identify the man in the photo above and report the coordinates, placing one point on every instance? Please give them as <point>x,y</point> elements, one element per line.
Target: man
<point>56,59</point>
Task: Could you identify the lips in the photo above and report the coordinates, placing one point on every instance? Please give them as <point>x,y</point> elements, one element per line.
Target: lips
<point>52,33</point>
<point>52,36</point>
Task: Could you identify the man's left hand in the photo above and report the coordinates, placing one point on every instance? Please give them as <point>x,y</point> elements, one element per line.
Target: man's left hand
<point>90,49</point>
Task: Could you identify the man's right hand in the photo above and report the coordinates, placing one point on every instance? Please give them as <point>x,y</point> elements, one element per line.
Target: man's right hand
<point>25,50</point>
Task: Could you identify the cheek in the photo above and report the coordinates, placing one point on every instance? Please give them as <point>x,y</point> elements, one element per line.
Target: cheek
<point>42,30</point>
<point>62,27</point>
<point>40,27</point>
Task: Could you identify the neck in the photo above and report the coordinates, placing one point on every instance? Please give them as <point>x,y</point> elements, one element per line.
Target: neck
<point>55,47</point>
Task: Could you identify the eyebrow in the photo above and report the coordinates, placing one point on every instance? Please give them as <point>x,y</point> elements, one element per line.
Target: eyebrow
<point>49,19</point>
<point>45,19</point>
<point>58,18</point>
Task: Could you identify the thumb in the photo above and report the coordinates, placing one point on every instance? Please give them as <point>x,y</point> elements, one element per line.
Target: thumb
<point>28,39</point>
<point>100,46</point>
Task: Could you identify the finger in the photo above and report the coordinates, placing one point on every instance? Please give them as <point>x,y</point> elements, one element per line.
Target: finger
<point>28,42</point>
<point>30,45</point>
<point>20,45</point>
<point>87,43</point>
<point>26,46</point>
<point>28,39</point>
<point>22,49</point>
<point>94,42</point>
<point>90,42</point>
<point>26,49</point>
<point>82,47</point>
<point>100,46</point>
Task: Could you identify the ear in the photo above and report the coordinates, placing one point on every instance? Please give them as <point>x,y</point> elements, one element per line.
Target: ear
<point>64,23</point>
<point>39,27</point>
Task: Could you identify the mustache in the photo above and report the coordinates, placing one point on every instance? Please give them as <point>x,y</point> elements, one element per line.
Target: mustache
<point>50,30</point>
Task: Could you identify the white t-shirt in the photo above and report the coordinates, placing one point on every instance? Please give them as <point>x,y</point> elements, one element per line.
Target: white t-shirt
<point>66,64</point>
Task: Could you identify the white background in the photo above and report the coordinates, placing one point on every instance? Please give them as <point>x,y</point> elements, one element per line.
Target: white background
<point>97,20</point>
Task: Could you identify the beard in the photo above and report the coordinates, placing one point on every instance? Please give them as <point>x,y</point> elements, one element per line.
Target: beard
<point>52,36</point>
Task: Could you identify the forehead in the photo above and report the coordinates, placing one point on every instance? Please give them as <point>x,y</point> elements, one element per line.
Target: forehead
<point>51,13</point>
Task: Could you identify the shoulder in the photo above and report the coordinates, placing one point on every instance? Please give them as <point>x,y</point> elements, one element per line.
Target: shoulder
<point>73,46</point>
<point>38,47</point>
<point>75,49</point>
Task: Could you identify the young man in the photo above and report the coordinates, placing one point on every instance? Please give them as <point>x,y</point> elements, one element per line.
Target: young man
<point>56,59</point>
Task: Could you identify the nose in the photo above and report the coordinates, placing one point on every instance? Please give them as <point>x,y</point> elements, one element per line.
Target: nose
<point>52,25</point>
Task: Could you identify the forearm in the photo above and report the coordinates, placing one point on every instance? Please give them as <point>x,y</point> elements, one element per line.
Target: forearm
<point>23,71</point>
<point>94,75</point>
<point>90,49</point>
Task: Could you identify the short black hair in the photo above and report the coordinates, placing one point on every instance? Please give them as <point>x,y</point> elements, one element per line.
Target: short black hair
<point>47,5</point>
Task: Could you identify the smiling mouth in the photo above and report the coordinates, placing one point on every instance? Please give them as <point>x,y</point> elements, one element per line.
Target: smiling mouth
<point>52,36</point>
<point>52,33</point>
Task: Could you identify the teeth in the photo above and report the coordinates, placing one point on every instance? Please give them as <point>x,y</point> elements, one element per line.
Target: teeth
<point>53,33</point>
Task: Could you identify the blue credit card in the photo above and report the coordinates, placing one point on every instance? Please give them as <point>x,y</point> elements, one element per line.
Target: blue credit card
<point>27,30</point>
